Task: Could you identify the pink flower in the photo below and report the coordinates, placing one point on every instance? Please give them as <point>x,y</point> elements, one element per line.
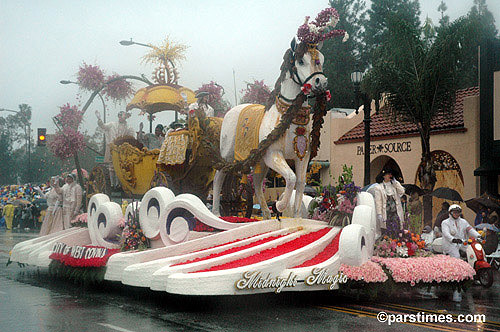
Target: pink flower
<point>256,93</point>
<point>90,77</point>
<point>118,90</point>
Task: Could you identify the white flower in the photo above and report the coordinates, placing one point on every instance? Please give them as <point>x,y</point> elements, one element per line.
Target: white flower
<point>333,21</point>
<point>346,37</point>
<point>313,28</point>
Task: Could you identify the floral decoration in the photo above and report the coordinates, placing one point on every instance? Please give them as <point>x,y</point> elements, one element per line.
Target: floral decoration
<point>321,28</point>
<point>66,143</point>
<point>328,95</point>
<point>215,93</point>
<point>90,77</point>
<point>306,88</point>
<point>335,205</point>
<point>368,272</point>
<point>133,237</point>
<point>438,268</point>
<point>256,93</point>
<point>118,90</point>
<point>79,221</point>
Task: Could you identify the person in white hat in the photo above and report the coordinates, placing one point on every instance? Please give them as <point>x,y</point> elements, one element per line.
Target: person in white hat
<point>456,231</point>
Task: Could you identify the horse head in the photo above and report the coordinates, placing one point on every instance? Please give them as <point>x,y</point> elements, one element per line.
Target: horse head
<point>303,62</point>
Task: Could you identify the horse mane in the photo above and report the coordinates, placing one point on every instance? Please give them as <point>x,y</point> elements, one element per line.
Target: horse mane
<point>286,66</point>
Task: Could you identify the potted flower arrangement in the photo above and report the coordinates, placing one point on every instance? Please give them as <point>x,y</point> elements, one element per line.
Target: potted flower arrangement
<point>133,237</point>
<point>335,205</point>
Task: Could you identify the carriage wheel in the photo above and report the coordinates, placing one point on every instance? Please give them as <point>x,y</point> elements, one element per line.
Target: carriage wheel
<point>99,181</point>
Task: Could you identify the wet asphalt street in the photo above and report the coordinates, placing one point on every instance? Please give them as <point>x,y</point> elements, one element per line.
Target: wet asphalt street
<point>32,301</point>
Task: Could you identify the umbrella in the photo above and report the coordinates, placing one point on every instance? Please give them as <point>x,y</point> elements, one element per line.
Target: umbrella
<point>411,188</point>
<point>479,203</point>
<point>487,226</point>
<point>41,203</point>
<point>308,190</point>
<point>447,193</point>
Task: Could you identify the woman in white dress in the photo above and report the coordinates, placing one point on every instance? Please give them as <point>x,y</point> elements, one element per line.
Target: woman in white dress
<point>53,221</point>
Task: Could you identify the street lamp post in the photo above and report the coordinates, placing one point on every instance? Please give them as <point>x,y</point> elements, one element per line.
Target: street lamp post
<point>103,105</point>
<point>131,42</point>
<point>356,78</point>
<point>27,133</point>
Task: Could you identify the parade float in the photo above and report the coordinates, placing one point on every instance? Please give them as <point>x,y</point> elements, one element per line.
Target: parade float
<point>173,243</point>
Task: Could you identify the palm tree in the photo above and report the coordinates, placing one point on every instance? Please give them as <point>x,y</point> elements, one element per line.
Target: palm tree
<point>417,73</point>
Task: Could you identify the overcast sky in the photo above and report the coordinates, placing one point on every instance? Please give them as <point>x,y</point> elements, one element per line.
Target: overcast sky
<point>43,42</point>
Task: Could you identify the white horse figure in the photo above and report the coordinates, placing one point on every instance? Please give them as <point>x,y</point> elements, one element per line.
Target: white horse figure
<point>302,68</point>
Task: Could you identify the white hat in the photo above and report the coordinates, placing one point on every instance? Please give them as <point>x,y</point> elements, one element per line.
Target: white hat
<point>455,207</point>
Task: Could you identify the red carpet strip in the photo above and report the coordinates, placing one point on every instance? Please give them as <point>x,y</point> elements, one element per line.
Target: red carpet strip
<point>330,250</point>
<point>267,254</point>
<point>231,250</point>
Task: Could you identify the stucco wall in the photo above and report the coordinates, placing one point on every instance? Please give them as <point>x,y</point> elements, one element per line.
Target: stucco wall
<point>463,146</point>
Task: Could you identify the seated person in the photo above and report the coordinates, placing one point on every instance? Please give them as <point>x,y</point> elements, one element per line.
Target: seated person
<point>427,235</point>
<point>154,141</point>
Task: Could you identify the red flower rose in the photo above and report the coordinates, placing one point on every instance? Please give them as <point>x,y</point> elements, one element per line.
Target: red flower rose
<point>306,88</point>
<point>328,95</point>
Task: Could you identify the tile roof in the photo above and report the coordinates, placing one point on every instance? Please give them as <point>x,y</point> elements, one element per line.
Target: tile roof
<point>383,126</point>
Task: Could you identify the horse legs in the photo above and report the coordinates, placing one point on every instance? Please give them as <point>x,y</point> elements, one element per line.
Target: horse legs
<point>259,191</point>
<point>218,182</point>
<point>276,161</point>
<point>300,171</point>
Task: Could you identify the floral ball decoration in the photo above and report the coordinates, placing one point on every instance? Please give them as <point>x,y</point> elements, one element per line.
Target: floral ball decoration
<point>90,77</point>
<point>215,93</point>
<point>256,93</point>
<point>118,89</point>
<point>69,116</point>
<point>66,143</point>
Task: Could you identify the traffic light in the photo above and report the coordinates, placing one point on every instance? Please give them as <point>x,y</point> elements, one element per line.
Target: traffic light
<point>42,137</point>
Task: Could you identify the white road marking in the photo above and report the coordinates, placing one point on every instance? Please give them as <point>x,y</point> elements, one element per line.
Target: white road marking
<point>117,328</point>
<point>3,293</point>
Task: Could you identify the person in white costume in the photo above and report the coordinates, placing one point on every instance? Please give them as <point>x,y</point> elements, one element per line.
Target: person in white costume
<point>456,231</point>
<point>53,220</point>
<point>71,199</point>
<point>202,104</point>
<point>387,193</point>
<point>113,130</point>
